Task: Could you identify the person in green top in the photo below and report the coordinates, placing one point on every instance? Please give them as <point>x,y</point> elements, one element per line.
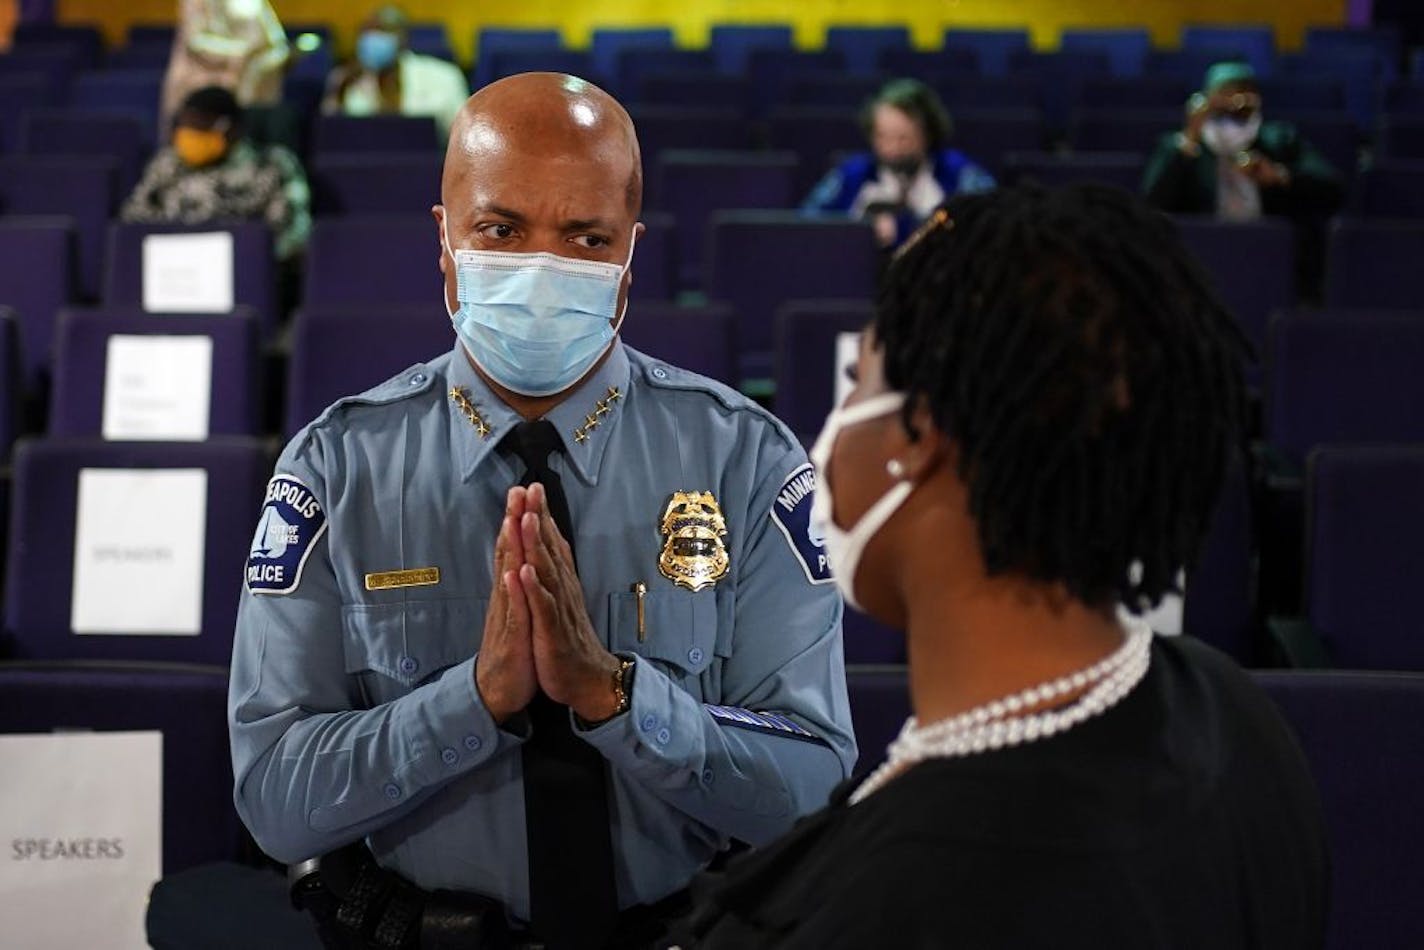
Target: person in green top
<point>1229,162</point>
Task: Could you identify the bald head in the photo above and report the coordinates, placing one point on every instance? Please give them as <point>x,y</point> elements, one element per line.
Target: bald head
<point>548,117</point>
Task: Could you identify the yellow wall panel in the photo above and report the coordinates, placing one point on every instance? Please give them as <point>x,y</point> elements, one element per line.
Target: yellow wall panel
<point>690,20</point>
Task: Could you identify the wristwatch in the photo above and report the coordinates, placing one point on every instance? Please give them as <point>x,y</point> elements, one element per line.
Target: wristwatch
<point>622,691</point>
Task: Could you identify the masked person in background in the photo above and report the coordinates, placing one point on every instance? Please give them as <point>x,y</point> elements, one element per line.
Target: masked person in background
<point>1228,161</point>
<point>237,44</point>
<point>388,79</point>
<point>211,172</point>
<point>909,170</point>
<point>533,630</point>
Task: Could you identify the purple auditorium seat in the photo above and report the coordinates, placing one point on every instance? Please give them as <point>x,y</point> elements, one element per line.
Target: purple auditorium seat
<point>1333,377</point>
<point>862,46</point>
<point>490,40</point>
<point>732,44</point>
<point>1121,130</point>
<point>37,278</point>
<point>1254,43</point>
<point>1251,266</point>
<point>694,90</point>
<point>19,93</point>
<point>126,91</point>
<point>1293,93</point>
<point>374,133</point>
<point>399,183</point>
<point>1334,135</point>
<point>1188,65</point>
<point>759,260</point>
<point>430,39</point>
<point>846,93</point>
<point>1156,93</point>
<point>693,185</point>
<point>974,94</point>
<point>511,62</point>
<point>1390,190</point>
<point>636,64</point>
<point>139,57</point>
<point>84,40</point>
<point>607,46</point>
<point>1365,515</point>
<point>254,272</point>
<point>41,555</point>
<point>1359,74</point>
<point>85,189</point>
<point>348,349</point>
<point>987,136</point>
<point>1126,49</point>
<point>662,128</point>
<point>123,138</point>
<point>1220,602</point>
<point>1119,169</point>
<point>994,48</point>
<point>1361,734</point>
<point>771,70</point>
<point>815,135</point>
<point>879,706</point>
<point>1404,97</point>
<point>932,66</point>
<point>81,354</point>
<point>655,260</point>
<point>699,339</point>
<point>188,704</point>
<point>373,260</point>
<point>1382,42</point>
<point>151,34</point>
<point>1374,265</point>
<point>1402,138</point>
<point>53,66</point>
<point>11,382</point>
<point>805,367</point>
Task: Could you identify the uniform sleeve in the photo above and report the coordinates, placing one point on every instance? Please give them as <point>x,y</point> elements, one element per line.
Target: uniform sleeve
<point>314,769</point>
<point>780,739</point>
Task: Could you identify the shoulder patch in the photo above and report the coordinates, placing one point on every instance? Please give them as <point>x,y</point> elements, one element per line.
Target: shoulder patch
<point>287,530</point>
<point>791,512</point>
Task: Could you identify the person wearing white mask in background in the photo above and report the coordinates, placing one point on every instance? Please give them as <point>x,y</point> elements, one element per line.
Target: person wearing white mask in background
<point>536,629</point>
<point>236,44</point>
<point>386,78</point>
<point>1044,406</point>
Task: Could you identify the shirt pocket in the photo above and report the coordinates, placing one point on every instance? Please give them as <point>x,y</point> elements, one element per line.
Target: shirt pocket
<point>679,631</point>
<point>396,647</point>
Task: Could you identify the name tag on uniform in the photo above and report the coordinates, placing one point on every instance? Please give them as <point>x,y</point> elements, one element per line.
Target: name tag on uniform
<point>418,577</point>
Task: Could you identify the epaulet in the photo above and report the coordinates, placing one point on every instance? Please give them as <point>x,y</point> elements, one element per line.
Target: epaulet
<point>407,384</point>
<point>660,375</point>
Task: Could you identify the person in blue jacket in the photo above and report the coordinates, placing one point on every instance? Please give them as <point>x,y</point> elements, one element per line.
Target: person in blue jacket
<point>909,170</point>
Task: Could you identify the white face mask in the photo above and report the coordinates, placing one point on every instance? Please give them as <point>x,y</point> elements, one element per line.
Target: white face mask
<point>1227,136</point>
<point>844,548</point>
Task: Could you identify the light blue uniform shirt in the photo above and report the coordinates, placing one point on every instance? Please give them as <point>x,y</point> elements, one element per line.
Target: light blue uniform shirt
<point>353,712</point>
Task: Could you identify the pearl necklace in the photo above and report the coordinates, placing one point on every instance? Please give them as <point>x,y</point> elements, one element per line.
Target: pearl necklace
<point>999,724</point>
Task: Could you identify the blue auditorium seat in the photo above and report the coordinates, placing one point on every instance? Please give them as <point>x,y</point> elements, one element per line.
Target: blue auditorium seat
<point>84,189</point>
<point>364,260</point>
<point>732,44</point>
<point>399,183</point>
<point>1126,48</point>
<point>1372,264</point>
<point>862,46</point>
<point>700,338</point>
<point>805,366</point>
<point>348,134</point>
<point>39,276</point>
<point>1256,44</point>
<point>994,48</point>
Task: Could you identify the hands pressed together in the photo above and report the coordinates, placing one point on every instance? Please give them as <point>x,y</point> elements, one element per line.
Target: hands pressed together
<point>537,631</point>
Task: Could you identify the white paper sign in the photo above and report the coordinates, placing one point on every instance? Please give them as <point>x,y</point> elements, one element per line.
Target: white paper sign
<point>81,819</point>
<point>138,551</point>
<point>847,355</point>
<point>187,273</point>
<point>158,387</point>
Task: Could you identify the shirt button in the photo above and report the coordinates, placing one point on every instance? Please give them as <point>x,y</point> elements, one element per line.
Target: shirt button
<point>664,736</point>
<point>392,791</point>
<point>660,373</point>
<point>408,665</point>
<point>694,655</point>
<point>449,756</point>
<point>472,743</point>
<point>650,722</point>
<point>706,776</point>
<point>417,379</point>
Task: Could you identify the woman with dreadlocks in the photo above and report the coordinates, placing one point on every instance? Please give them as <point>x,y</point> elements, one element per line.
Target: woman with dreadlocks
<point>1042,413</point>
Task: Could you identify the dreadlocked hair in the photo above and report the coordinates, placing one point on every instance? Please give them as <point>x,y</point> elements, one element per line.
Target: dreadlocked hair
<point>1090,381</point>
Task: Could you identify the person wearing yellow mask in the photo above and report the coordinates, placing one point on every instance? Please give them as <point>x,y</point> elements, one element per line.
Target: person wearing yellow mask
<point>210,171</point>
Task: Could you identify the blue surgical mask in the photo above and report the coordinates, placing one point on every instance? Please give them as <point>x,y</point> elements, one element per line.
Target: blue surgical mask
<point>535,323</point>
<point>377,49</point>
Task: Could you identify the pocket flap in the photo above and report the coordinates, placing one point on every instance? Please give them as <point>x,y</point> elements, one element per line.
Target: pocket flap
<point>679,628</point>
<point>411,641</point>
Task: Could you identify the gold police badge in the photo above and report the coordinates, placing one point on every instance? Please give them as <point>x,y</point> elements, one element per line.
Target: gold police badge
<point>693,554</point>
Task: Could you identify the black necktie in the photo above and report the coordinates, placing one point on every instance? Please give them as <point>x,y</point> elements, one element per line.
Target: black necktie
<point>572,894</point>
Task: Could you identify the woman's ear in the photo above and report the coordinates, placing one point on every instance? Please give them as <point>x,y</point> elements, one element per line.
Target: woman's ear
<point>925,447</point>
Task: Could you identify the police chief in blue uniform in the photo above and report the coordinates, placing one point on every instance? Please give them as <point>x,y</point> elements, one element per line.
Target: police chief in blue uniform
<point>541,621</point>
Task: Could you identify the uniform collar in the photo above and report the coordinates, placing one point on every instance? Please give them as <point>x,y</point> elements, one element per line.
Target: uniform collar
<point>479,419</point>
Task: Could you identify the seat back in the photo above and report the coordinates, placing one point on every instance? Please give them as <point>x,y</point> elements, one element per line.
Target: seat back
<point>700,339</point>
<point>1372,265</point>
<point>38,277</point>
<point>84,189</point>
<point>374,133</point>
<point>373,260</point>
<point>401,183</point>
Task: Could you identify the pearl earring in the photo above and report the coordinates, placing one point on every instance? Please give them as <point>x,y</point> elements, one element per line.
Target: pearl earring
<point>895,468</point>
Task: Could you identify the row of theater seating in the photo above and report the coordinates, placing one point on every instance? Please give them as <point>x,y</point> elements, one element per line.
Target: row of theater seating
<point>1368,776</point>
